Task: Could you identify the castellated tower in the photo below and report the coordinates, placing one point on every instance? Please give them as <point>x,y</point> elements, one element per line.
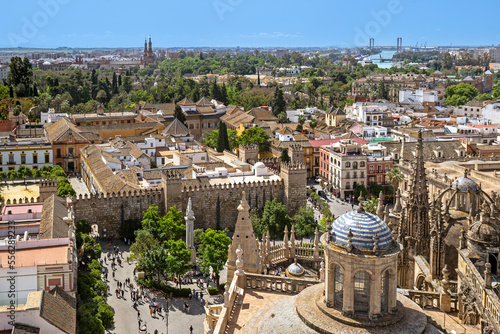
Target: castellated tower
<point>47,187</point>
<point>296,153</point>
<point>172,187</point>
<point>294,176</point>
<point>243,238</point>
<point>249,153</point>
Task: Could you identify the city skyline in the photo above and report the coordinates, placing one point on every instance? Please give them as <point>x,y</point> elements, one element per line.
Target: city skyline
<point>231,23</point>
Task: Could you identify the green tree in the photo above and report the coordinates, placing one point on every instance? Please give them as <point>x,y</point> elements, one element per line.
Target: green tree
<point>282,118</point>
<point>221,145</point>
<point>257,136</point>
<point>496,90</point>
<point>395,176</point>
<point>143,241</point>
<point>360,189</point>
<point>12,174</point>
<point>178,257</point>
<point>20,73</point>
<point>24,172</point>
<point>278,103</point>
<point>179,114</point>
<point>375,189</point>
<point>284,157</point>
<point>460,94</point>
<point>150,220</point>
<point>274,219</point>
<point>371,205</point>
<point>313,124</point>
<point>3,176</point>
<point>154,261</point>
<point>210,138</point>
<point>170,226</point>
<point>213,251</point>
<point>304,222</point>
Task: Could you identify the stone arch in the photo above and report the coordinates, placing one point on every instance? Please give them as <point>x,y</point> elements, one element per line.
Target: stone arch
<point>420,281</point>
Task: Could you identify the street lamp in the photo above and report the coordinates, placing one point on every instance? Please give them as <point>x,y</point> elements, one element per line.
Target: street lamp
<point>166,313</point>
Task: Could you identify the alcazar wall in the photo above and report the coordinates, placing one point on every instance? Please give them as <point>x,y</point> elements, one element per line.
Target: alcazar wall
<point>214,206</point>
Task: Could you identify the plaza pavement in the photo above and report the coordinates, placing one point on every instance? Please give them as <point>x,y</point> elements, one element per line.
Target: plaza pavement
<point>126,320</point>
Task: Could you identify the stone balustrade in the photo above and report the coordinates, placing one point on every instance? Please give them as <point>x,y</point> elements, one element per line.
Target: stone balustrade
<point>278,283</point>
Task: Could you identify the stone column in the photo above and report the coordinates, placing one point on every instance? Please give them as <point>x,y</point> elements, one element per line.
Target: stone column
<point>392,305</point>
<point>375,296</point>
<point>329,284</point>
<point>190,230</point>
<point>348,306</point>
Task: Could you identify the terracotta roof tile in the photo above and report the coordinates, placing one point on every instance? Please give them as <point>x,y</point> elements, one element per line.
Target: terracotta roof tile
<point>59,309</point>
<point>52,224</point>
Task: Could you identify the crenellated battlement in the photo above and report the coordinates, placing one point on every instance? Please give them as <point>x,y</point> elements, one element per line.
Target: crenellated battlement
<point>135,193</point>
<point>233,186</point>
<point>172,175</point>
<point>293,166</point>
<point>21,200</point>
<point>48,183</point>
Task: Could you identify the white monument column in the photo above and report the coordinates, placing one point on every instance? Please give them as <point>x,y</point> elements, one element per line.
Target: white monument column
<point>190,230</point>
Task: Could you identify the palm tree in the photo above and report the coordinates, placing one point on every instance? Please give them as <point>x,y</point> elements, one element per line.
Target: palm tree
<point>395,177</point>
<point>371,205</point>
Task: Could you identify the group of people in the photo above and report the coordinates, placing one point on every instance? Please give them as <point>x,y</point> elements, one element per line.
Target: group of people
<point>139,295</point>
<point>272,269</point>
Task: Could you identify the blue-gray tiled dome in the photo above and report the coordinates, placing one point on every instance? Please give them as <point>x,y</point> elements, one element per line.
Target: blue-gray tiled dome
<point>363,226</point>
<point>295,270</point>
<point>464,184</point>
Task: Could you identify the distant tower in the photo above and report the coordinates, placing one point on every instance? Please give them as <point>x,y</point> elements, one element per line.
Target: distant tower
<point>150,50</point>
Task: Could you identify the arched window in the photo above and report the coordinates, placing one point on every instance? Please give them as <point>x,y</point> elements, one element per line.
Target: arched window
<point>384,300</point>
<point>347,165</point>
<point>362,164</point>
<point>362,293</point>
<point>338,288</point>
<point>354,165</point>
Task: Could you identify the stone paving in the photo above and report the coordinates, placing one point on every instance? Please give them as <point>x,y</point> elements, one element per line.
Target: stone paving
<point>126,317</point>
<point>79,186</point>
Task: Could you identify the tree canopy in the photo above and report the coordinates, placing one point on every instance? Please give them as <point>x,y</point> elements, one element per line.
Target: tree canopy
<point>213,251</point>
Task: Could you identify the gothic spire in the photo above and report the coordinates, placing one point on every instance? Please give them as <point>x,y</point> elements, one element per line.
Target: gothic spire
<point>417,206</point>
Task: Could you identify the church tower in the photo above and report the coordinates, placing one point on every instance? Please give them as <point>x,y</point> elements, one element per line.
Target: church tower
<point>243,238</point>
<point>414,230</point>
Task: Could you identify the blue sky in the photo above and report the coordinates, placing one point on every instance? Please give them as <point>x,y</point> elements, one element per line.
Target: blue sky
<point>252,23</point>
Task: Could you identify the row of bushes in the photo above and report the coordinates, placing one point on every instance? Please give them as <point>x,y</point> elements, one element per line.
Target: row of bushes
<point>325,208</point>
<point>94,315</point>
<point>150,283</point>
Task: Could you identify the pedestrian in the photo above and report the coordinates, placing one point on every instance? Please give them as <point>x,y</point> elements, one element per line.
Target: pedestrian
<point>122,293</point>
<point>150,311</point>
<point>190,296</point>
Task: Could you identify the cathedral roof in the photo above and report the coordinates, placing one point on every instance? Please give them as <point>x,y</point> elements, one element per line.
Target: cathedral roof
<point>364,227</point>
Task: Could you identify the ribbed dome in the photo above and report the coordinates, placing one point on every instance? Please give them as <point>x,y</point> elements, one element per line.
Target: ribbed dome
<point>363,226</point>
<point>484,233</point>
<point>295,270</point>
<point>464,184</point>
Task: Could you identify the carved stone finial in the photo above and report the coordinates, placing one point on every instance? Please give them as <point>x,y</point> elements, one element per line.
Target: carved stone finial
<point>239,260</point>
<point>376,238</point>
<point>487,275</point>
<point>189,210</point>
<point>349,241</point>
